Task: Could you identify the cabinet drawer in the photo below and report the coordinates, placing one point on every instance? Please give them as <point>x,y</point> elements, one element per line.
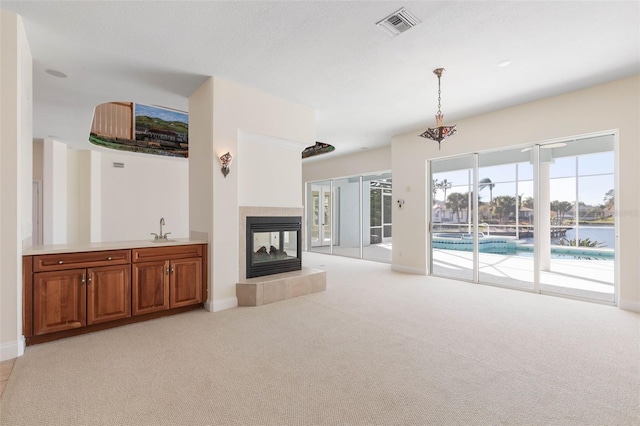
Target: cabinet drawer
<point>62,261</point>
<point>165,253</point>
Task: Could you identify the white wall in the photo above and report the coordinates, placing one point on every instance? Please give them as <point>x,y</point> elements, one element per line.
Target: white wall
<point>94,196</point>
<point>15,176</point>
<point>74,181</point>
<point>135,197</point>
<point>25,106</point>
<point>38,158</point>
<point>203,161</point>
<point>54,192</point>
<point>612,106</point>
<point>84,197</point>
<point>360,163</point>
<point>269,171</point>
<point>219,112</point>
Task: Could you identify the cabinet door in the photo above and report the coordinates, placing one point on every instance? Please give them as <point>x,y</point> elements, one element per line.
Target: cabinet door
<point>150,287</point>
<point>186,282</point>
<point>108,293</point>
<point>59,301</point>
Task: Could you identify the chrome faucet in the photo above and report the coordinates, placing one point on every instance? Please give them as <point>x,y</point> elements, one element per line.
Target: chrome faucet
<point>161,236</point>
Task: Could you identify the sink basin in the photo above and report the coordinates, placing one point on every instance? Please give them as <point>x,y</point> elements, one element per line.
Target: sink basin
<point>161,240</point>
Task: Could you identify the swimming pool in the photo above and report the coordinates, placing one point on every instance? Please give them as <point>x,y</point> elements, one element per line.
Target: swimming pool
<point>512,246</point>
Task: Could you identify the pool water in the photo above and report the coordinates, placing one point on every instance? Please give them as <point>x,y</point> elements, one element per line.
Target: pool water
<point>511,246</point>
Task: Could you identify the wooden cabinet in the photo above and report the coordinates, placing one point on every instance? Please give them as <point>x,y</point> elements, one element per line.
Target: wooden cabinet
<point>167,278</point>
<point>62,261</point>
<point>150,287</point>
<point>72,293</point>
<point>108,293</point>
<point>185,287</point>
<point>65,298</point>
<point>59,301</point>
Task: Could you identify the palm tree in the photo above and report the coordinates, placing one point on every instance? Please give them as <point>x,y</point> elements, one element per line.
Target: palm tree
<point>560,207</point>
<point>564,207</point>
<point>527,202</point>
<point>456,202</point>
<point>609,199</point>
<point>444,185</point>
<point>503,206</point>
<point>486,183</point>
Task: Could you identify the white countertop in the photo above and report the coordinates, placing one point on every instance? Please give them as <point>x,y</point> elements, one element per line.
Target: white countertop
<point>109,245</point>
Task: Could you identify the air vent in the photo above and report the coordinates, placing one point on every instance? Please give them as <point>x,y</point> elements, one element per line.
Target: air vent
<point>398,22</point>
<point>118,165</point>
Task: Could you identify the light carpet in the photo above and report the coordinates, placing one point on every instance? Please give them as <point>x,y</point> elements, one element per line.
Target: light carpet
<point>377,348</point>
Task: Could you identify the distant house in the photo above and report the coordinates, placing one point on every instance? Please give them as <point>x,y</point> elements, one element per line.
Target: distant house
<point>525,213</point>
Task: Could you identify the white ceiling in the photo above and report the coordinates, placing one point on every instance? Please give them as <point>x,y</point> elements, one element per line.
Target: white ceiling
<point>329,55</point>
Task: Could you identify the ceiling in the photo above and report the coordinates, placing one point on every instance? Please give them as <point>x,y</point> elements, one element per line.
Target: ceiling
<point>329,55</point>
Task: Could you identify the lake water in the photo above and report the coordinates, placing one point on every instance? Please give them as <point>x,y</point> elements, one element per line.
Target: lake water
<point>602,234</point>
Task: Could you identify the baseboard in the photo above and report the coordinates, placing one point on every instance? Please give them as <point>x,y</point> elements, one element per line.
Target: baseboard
<point>408,270</point>
<point>629,305</point>
<point>221,305</point>
<point>12,350</point>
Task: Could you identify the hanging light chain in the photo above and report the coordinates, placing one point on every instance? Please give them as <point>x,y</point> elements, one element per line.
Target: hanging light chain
<point>439,112</point>
<point>440,132</point>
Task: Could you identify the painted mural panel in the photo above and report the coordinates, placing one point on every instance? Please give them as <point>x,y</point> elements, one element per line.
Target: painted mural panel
<point>128,126</point>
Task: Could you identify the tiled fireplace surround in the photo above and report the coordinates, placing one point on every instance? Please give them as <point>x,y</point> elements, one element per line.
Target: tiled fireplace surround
<point>272,288</point>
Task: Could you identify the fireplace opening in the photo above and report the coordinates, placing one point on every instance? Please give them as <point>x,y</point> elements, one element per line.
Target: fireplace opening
<point>274,245</point>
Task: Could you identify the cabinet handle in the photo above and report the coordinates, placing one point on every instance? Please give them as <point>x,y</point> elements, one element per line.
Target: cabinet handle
<point>172,269</point>
<point>167,269</point>
<point>83,279</point>
<point>60,262</point>
<point>89,279</point>
<point>109,258</point>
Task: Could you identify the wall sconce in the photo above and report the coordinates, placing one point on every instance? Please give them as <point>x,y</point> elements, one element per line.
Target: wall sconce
<point>225,160</point>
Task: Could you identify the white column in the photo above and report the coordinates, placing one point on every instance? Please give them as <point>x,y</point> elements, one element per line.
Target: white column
<point>202,164</point>
<point>543,233</point>
<point>55,192</point>
<point>89,196</point>
<point>95,197</point>
<point>15,176</point>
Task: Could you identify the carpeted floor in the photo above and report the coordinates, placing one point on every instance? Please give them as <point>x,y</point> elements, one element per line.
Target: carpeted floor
<point>377,347</point>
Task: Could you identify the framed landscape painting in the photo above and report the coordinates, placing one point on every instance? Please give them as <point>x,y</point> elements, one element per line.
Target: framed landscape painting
<point>146,129</point>
<point>162,129</point>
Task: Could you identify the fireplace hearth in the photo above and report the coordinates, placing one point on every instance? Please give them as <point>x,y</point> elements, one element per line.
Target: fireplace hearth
<point>274,245</point>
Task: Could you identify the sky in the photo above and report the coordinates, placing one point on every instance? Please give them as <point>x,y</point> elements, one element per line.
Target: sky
<point>165,114</point>
<point>594,173</point>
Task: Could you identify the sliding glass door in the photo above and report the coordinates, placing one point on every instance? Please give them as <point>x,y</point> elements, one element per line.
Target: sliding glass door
<point>320,215</point>
<point>506,206</point>
<point>545,218</point>
<point>351,216</point>
<point>451,224</point>
<point>376,216</point>
<point>580,257</point>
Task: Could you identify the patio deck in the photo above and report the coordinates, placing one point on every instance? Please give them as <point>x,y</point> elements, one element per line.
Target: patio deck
<point>578,277</point>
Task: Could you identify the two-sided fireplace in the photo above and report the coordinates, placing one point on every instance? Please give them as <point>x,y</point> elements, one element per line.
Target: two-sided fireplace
<point>274,245</point>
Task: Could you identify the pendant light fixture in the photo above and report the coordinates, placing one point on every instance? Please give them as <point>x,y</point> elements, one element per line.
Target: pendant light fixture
<point>440,132</point>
